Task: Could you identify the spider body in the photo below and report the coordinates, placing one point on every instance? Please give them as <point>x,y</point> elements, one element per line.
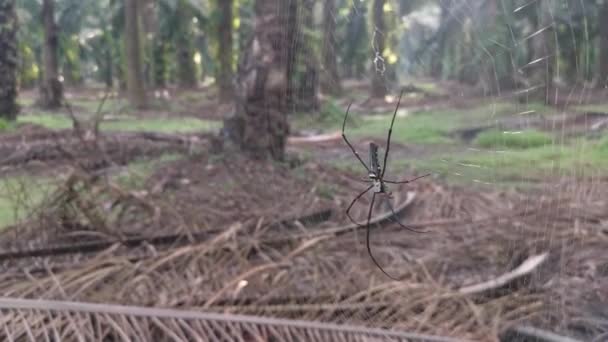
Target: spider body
<point>375,174</point>
<point>375,170</point>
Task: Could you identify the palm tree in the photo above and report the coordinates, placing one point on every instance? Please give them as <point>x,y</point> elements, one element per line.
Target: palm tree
<point>603,60</point>
<point>8,60</point>
<point>225,50</point>
<point>51,91</point>
<point>135,79</point>
<point>330,79</point>
<point>259,125</point>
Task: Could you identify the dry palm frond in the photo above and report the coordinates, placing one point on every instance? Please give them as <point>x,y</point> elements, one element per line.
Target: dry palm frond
<point>35,320</point>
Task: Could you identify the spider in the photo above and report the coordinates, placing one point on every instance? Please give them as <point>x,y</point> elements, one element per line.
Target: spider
<point>375,174</point>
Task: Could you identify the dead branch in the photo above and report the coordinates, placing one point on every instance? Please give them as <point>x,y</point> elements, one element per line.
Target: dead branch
<point>536,334</point>
<point>524,269</point>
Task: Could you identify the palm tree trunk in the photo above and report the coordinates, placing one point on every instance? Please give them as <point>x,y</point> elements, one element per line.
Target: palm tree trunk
<point>51,89</point>
<point>330,80</point>
<point>8,60</point>
<point>378,81</point>
<point>259,126</point>
<point>225,51</point>
<point>135,79</point>
<point>308,88</point>
<point>186,69</point>
<point>603,62</point>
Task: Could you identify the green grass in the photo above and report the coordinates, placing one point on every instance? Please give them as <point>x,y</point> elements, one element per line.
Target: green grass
<point>136,173</point>
<point>601,108</point>
<point>49,120</point>
<point>6,125</point>
<point>421,129</point>
<point>170,125</point>
<point>111,106</point>
<point>426,127</point>
<point>579,157</point>
<point>329,116</point>
<point>512,140</point>
<point>19,194</point>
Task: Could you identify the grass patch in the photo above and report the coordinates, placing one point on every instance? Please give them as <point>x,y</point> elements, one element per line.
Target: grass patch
<point>136,173</point>
<point>48,120</point>
<point>19,194</point>
<point>600,107</point>
<point>512,140</point>
<point>6,125</point>
<point>426,127</point>
<point>111,106</point>
<point>422,129</point>
<point>578,158</point>
<point>330,116</point>
<point>169,125</point>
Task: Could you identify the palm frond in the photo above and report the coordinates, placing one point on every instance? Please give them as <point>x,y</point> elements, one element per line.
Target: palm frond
<point>36,320</point>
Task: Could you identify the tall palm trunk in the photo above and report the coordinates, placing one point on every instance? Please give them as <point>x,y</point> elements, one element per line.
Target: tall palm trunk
<point>225,51</point>
<point>186,69</point>
<point>259,126</point>
<point>330,79</point>
<point>8,60</point>
<point>308,87</point>
<point>51,89</point>
<point>378,80</point>
<point>603,62</point>
<point>134,63</point>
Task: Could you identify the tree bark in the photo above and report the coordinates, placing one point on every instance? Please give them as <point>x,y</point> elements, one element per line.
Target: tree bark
<point>225,54</point>
<point>438,57</point>
<point>379,89</point>
<point>51,89</point>
<point>259,125</point>
<point>134,64</point>
<point>603,60</point>
<point>8,60</point>
<point>308,88</point>
<point>330,79</point>
<point>186,69</point>
<point>543,57</point>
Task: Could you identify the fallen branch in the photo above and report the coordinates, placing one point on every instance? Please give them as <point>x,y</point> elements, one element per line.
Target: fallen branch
<point>538,335</point>
<point>176,240</point>
<point>525,268</point>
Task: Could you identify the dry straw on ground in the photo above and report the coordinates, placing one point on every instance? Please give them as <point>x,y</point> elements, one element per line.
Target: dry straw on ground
<point>492,262</point>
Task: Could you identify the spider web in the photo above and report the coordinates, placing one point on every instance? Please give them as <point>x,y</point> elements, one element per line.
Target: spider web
<point>517,158</point>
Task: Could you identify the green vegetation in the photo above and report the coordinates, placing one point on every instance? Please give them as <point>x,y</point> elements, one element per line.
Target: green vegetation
<point>48,120</point>
<point>19,194</point>
<point>169,125</point>
<point>5,125</point>
<point>600,107</point>
<point>421,128</point>
<point>535,162</point>
<point>330,116</point>
<point>135,174</point>
<point>512,140</point>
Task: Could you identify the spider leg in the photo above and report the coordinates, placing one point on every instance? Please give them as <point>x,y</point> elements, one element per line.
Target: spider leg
<point>405,181</point>
<point>349,144</point>
<point>353,203</point>
<point>390,132</point>
<point>369,250</point>
<point>396,220</point>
